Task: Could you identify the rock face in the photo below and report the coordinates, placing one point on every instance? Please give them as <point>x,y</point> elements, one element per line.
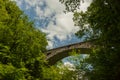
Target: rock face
<point>54,55</point>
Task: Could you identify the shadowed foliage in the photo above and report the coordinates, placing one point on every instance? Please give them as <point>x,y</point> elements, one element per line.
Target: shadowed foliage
<point>101,21</point>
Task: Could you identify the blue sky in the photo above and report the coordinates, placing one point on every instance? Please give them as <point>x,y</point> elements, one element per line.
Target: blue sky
<point>50,18</point>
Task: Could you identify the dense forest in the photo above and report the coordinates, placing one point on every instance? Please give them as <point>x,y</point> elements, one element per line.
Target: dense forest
<point>22,46</point>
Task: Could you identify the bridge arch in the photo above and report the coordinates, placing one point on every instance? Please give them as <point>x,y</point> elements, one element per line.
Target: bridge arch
<point>55,55</point>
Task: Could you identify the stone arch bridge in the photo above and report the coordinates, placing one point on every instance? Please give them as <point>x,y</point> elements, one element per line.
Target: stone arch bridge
<point>54,55</point>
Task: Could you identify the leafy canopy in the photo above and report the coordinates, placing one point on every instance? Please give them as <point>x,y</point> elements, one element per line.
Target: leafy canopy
<point>101,22</point>
<point>21,45</point>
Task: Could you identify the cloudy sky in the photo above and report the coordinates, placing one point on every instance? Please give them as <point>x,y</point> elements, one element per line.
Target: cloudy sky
<point>50,18</point>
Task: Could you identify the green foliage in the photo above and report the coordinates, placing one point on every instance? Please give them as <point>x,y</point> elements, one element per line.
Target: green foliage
<point>52,73</point>
<point>71,5</point>
<point>73,53</point>
<point>9,72</point>
<point>60,72</point>
<point>21,45</point>
<point>101,22</point>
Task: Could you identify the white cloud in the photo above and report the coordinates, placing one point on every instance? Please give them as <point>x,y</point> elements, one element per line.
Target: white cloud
<point>51,44</point>
<point>60,25</point>
<point>69,65</point>
<point>63,28</point>
<point>84,5</point>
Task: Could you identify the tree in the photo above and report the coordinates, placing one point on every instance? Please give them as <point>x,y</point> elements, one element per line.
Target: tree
<point>21,45</point>
<point>101,22</point>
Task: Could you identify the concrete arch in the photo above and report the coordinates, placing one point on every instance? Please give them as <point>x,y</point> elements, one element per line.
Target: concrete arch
<point>54,55</point>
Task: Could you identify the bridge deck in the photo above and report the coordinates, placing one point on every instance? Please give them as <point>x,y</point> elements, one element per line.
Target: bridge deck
<point>54,55</point>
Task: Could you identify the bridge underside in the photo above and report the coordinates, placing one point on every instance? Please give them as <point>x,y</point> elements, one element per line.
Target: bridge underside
<point>54,59</point>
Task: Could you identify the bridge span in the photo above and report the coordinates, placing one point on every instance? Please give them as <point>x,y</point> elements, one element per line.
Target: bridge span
<point>54,55</point>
